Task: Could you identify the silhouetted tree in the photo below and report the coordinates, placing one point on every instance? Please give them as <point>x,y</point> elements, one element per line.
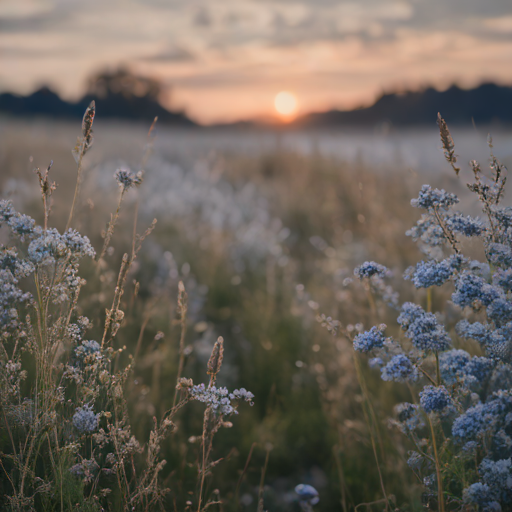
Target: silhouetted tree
<point>122,82</point>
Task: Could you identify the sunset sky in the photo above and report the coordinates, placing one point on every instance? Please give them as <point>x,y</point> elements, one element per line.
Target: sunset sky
<point>227,59</point>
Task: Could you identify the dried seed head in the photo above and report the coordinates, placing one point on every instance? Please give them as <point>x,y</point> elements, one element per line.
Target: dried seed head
<point>182,300</point>
<point>448,144</point>
<point>185,383</point>
<point>215,361</point>
<point>87,122</point>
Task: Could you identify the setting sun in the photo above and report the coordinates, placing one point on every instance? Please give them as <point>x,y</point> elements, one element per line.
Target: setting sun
<point>285,103</point>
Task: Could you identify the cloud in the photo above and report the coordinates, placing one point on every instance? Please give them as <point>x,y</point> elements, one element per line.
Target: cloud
<point>173,54</point>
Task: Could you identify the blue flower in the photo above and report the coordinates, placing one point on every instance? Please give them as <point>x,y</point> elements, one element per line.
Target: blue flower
<point>500,310</point>
<point>369,269</point>
<point>427,334</point>
<point>471,290</point>
<point>85,420</point>
<point>409,313</point>
<point>399,369</point>
<point>429,198</point>
<point>307,493</point>
<point>499,254</point>
<point>466,226</point>
<point>128,179</point>
<point>366,341</point>
<point>409,417</point>
<point>482,495</point>
<point>498,476</point>
<point>434,398</point>
<point>452,365</point>
<point>433,273</point>
<point>503,278</point>
<point>88,348</point>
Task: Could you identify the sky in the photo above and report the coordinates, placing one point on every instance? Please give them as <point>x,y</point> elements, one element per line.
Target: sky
<point>224,60</point>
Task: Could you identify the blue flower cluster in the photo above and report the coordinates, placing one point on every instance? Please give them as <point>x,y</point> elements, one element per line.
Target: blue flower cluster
<point>409,417</point>
<point>459,367</point>
<point>434,273</point>
<point>369,269</point>
<point>11,297</point>
<point>473,291</point>
<point>219,399</point>
<point>307,493</point>
<point>429,198</point>
<point>423,329</point>
<point>467,226</point>
<point>128,179</point>
<point>21,225</point>
<point>374,338</point>
<point>472,397</point>
<point>435,398</point>
<point>88,348</point>
<point>84,419</point>
<point>399,369</point>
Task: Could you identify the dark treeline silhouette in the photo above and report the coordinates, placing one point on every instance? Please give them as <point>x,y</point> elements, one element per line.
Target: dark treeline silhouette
<point>123,95</point>
<point>488,103</point>
<point>119,94</point>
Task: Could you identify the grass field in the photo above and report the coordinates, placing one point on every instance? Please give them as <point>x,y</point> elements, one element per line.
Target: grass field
<point>264,230</point>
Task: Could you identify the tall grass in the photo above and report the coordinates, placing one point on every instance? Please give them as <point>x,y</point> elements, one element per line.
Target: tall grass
<point>264,247</point>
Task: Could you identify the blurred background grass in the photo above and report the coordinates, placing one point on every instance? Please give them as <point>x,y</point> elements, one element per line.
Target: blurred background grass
<point>264,235</point>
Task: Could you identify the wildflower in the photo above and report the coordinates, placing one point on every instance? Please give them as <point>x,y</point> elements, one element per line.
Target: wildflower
<point>434,398</point>
<point>433,273</point>
<point>375,362</point>
<point>481,494</point>
<point>427,334</point>
<point>431,199</point>
<point>79,245</point>
<point>499,254</point>
<point>128,179</point>
<point>429,235</point>
<point>47,248</point>
<point>503,278</point>
<point>85,420</point>
<point>500,311</point>
<point>415,460</point>
<point>399,369</point>
<point>369,269</point>
<point>307,494</point>
<point>10,298</point>
<point>409,313</point>
<point>467,226</point>
<point>374,338</point>
<point>219,399</point>
<point>408,417</point>
<point>88,348</point>
<point>498,476</point>
<point>471,290</point>
<point>22,225</point>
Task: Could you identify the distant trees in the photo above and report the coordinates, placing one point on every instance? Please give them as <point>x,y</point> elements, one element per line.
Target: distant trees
<point>122,82</point>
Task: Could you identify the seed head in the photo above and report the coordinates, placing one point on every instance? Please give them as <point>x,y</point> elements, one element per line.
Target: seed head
<point>215,361</point>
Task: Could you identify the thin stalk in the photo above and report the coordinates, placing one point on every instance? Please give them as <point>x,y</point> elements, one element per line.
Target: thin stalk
<point>262,483</point>
<point>440,495</point>
<point>341,476</point>
<point>77,191</point>
<point>429,300</point>
<point>368,422</point>
<point>240,480</point>
<point>111,226</point>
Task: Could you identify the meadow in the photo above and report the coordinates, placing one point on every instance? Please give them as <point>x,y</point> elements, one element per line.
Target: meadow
<point>256,241</point>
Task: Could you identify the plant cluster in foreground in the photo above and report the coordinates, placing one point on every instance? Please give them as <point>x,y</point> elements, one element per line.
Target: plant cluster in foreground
<point>460,416</point>
<point>65,436</point>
